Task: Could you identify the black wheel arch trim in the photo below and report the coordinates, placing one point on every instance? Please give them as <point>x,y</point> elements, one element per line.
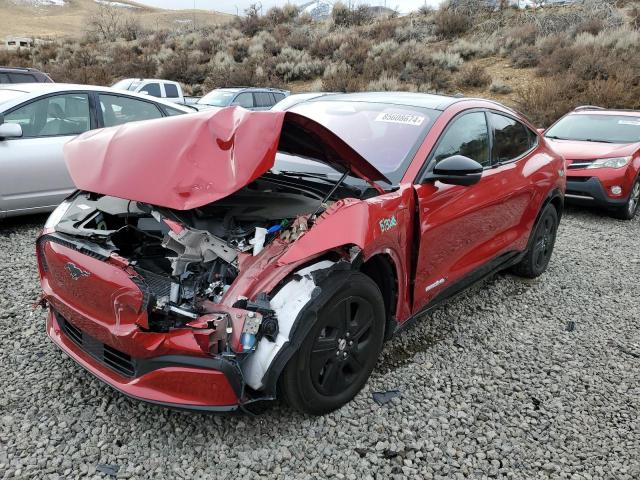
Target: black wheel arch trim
<point>327,285</point>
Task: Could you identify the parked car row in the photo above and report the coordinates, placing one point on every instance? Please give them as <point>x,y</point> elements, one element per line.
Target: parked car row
<point>251,98</point>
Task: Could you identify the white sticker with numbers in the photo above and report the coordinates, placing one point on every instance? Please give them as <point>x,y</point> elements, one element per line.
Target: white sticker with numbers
<point>403,118</point>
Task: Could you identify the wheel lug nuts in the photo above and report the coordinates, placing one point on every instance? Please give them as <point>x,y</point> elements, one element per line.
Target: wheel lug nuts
<point>344,355</point>
<point>350,342</point>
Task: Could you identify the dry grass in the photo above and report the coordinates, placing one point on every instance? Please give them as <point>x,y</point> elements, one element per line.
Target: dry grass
<point>543,62</point>
<point>70,20</point>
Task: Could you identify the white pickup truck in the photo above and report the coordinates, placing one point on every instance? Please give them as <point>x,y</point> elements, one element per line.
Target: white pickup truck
<point>155,87</point>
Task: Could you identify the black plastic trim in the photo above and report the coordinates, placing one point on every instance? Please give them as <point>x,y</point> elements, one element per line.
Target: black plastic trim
<point>592,188</point>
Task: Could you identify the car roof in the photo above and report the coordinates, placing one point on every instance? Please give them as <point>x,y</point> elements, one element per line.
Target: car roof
<point>603,111</point>
<point>35,89</point>
<point>409,99</point>
<point>249,89</point>
<point>19,69</point>
<point>138,79</point>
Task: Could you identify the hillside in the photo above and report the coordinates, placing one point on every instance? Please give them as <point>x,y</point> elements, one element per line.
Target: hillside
<point>58,18</point>
<point>542,61</point>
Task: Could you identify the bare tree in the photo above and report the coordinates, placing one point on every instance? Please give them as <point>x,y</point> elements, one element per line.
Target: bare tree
<point>105,23</point>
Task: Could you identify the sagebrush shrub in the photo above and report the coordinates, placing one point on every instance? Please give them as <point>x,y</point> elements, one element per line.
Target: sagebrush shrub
<point>473,76</point>
<point>386,83</point>
<point>449,60</point>
<point>338,77</point>
<point>500,87</point>
<point>450,24</point>
<point>526,56</point>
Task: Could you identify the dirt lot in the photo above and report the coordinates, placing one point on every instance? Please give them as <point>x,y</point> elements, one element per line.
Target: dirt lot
<point>514,379</point>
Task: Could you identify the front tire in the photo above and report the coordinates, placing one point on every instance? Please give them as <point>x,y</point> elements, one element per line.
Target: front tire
<point>537,256</point>
<point>339,352</point>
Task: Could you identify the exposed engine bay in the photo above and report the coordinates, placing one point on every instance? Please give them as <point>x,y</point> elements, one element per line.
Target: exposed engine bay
<point>188,258</point>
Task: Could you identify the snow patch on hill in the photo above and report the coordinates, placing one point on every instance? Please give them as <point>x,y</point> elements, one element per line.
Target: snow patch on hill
<point>40,3</point>
<point>115,4</point>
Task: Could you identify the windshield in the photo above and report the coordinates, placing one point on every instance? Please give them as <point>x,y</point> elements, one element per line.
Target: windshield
<point>8,95</point>
<point>126,84</point>
<point>386,135</point>
<point>291,100</point>
<point>597,128</point>
<point>217,98</point>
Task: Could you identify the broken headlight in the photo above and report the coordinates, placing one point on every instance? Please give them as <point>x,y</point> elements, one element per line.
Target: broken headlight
<point>57,215</point>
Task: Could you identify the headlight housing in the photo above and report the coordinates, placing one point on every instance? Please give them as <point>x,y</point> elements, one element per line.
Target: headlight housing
<point>616,162</point>
<point>57,214</point>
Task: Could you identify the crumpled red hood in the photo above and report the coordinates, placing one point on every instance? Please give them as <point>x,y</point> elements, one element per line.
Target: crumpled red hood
<point>187,161</point>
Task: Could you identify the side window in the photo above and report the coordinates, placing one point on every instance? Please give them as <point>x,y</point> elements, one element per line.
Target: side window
<point>53,116</point>
<point>21,78</point>
<point>467,136</point>
<point>510,138</point>
<point>244,100</point>
<point>172,112</point>
<point>152,89</point>
<point>263,99</point>
<point>117,110</point>
<point>279,96</point>
<point>171,90</point>
<point>4,78</point>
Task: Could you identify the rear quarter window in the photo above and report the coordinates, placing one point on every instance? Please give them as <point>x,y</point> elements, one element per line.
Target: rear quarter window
<point>21,78</point>
<point>171,90</point>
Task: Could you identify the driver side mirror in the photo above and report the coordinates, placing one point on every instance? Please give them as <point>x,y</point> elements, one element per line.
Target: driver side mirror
<point>9,130</point>
<point>456,170</point>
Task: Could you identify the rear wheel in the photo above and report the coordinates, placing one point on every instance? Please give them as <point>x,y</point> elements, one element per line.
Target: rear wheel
<point>340,351</point>
<point>537,257</point>
<point>629,210</point>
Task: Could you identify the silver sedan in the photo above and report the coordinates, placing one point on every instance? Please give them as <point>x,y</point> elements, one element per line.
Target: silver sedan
<point>37,119</point>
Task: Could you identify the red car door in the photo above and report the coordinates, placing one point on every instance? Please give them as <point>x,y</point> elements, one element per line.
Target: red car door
<point>465,228</point>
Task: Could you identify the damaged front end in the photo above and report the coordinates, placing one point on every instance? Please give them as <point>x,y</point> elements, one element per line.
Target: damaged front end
<point>144,291</point>
<point>157,286</point>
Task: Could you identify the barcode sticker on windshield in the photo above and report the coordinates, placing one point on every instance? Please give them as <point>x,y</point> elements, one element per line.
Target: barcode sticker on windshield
<point>628,122</point>
<point>403,118</point>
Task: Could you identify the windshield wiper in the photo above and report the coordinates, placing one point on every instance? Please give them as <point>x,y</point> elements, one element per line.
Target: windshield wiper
<point>555,137</point>
<point>594,140</point>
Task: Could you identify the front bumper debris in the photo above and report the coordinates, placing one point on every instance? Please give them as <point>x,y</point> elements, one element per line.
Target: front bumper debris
<point>176,381</point>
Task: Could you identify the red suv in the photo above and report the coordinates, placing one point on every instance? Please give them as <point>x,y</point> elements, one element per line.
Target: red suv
<point>602,149</point>
<point>213,260</point>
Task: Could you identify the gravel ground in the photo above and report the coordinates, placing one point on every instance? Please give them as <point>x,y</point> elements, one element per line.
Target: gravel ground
<point>515,379</point>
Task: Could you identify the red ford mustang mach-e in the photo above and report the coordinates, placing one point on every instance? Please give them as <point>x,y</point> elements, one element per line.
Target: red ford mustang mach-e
<point>602,149</point>
<point>219,259</point>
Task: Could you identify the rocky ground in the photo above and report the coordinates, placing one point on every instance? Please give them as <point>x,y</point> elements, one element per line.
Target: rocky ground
<point>515,379</point>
